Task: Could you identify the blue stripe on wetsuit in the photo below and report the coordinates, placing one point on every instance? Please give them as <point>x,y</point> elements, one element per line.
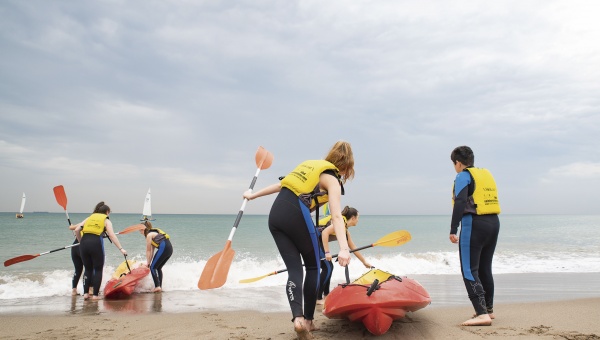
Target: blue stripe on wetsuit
<point>313,237</point>
<point>462,181</point>
<point>159,252</point>
<point>465,245</point>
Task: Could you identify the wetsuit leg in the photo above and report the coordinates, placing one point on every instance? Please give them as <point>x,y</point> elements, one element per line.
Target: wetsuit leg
<point>163,253</point>
<point>288,226</point>
<point>327,283</point>
<point>92,254</point>
<point>492,224</point>
<point>77,263</point>
<point>326,270</point>
<point>478,236</point>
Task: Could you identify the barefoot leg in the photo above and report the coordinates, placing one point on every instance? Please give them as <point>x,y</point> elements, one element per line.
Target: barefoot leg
<point>481,320</point>
<point>301,329</point>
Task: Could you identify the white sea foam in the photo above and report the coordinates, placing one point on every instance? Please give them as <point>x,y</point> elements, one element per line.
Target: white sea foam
<point>182,274</point>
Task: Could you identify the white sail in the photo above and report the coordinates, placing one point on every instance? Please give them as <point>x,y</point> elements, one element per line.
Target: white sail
<point>22,204</point>
<point>147,212</point>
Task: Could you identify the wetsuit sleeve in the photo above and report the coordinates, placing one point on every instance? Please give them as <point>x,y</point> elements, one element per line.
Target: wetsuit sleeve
<point>461,194</point>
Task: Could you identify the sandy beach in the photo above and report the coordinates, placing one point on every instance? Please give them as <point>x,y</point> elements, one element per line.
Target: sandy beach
<point>569,319</point>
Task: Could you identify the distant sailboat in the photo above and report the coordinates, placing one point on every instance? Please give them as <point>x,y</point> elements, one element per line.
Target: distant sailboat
<point>20,213</point>
<point>147,212</point>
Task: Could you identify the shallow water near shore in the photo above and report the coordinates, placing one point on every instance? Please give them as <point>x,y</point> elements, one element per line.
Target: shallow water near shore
<point>445,291</point>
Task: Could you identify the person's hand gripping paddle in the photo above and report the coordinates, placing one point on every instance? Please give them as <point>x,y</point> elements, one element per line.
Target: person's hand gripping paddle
<point>216,269</point>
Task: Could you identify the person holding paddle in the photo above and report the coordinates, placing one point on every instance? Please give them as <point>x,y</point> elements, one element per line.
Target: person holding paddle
<point>89,232</point>
<point>476,210</point>
<point>309,185</point>
<point>159,240</point>
<point>350,216</point>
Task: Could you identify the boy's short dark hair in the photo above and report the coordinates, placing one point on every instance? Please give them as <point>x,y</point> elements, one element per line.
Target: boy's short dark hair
<point>463,154</point>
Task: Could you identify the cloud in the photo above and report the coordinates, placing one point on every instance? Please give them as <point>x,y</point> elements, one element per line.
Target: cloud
<point>573,171</point>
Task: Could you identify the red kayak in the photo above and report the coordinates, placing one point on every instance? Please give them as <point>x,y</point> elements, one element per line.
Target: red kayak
<point>376,299</point>
<point>124,285</point>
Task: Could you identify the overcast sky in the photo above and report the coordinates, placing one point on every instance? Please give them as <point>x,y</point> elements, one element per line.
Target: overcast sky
<point>110,98</point>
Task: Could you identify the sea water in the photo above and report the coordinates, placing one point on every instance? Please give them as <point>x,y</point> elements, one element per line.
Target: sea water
<point>528,244</point>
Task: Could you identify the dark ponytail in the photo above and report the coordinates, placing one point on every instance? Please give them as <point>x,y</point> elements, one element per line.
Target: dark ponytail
<point>349,212</point>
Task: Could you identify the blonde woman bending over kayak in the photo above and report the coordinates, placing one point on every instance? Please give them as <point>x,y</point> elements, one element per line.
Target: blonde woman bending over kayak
<point>311,184</point>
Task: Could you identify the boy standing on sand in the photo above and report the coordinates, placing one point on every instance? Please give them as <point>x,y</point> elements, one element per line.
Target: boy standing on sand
<point>476,210</point>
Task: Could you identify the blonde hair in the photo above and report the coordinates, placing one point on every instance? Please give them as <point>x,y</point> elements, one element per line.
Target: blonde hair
<point>341,156</point>
<point>148,225</point>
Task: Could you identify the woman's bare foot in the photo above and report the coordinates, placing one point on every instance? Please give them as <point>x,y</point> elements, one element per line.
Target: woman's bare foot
<point>86,296</point>
<point>320,302</point>
<point>490,314</point>
<point>310,325</point>
<point>157,290</point>
<point>96,298</point>
<point>481,320</point>
<point>301,329</point>
<point>74,292</point>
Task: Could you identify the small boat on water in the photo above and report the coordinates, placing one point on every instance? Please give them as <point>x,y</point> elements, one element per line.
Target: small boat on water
<point>20,213</point>
<point>147,212</point>
<point>376,299</point>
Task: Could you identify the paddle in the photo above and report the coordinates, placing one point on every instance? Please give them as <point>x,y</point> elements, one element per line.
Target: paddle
<point>61,198</point>
<point>216,269</point>
<point>397,238</point>
<point>24,258</point>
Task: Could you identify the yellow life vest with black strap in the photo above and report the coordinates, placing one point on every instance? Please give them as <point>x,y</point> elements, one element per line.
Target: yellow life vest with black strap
<point>158,238</point>
<point>304,181</point>
<point>95,224</point>
<point>326,222</point>
<point>485,195</point>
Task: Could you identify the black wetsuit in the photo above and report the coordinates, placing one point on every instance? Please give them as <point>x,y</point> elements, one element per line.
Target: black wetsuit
<point>77,263</point>
<point>92,254</point>
<point>325,278</point>
<point>294,233</point>
<point>162,255</point>
<point>477,243</point>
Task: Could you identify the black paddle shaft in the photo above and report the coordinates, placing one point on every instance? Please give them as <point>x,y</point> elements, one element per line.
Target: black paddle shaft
<point>241,212</point>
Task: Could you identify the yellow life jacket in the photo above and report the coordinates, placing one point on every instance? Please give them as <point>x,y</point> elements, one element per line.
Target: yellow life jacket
<point>485,195</point>
<point>326,222</point>
<point>304,181</point>
<point>158,238</point>
<point>94,224</point>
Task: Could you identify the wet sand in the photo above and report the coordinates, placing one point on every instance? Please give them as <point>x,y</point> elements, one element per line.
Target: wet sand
<point>528,306</point>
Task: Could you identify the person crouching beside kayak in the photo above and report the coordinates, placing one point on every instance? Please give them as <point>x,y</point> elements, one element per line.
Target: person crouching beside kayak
<point>350,216</point>
<point>90,234</point>
<point>159,240</point>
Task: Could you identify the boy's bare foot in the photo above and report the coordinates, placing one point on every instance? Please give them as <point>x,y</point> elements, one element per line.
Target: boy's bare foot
<point>301,329</point>
<point>86,296</point>
<point>74,292</point>
<point>320,302</point>
<point>157,290</point>
<point>96,298</point>
<point>481,320</point>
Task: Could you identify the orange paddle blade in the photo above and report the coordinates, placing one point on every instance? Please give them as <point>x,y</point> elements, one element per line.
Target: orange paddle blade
<point>132,228</point>
<point>18,259</point>
<point>263,158</point>
<point>215,272</point>
<point>61,196</point>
